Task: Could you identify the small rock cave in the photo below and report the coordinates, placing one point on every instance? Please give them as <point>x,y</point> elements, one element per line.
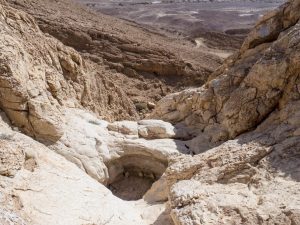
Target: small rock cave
<point>131,176</point>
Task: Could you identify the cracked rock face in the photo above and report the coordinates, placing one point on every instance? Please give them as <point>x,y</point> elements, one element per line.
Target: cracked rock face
<point>39,76</point>
<point>260,78</point>
<point>230,157</point>
<point>253,179</point>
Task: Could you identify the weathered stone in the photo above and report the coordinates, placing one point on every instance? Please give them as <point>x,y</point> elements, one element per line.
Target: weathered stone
<point>124,127</point>
<point>152,129</point>
<point>239,163</point>
<point>12,158</point>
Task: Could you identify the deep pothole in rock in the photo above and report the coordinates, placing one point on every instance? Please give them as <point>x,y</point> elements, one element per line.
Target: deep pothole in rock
<point>132,176</point>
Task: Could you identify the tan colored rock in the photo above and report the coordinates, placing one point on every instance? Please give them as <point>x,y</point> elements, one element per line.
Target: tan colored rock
<point>124,127</point>
<point>122,46</point>
<point>46,120</point>
<point>151,105</point>
<point>244,123</point>
<point>40,76</point>
<point>245,90</point>
<point>36,93</point>
<point>11,158</point>
<point>158,192</point>
<point>252,179</point>
<point>271,25</point>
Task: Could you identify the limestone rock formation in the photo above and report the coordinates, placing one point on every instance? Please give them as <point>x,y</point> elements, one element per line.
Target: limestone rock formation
<point>258,79</point>
<point>12,157</point>
<point>124,127</point>
<point>254,100</point>
<point>95,145</point>
<point>44,194</point>
<point>156,129</point>
<point>253,179</point>
<point>47,89</point>
<point>230,157</point>
<point>39,76</point>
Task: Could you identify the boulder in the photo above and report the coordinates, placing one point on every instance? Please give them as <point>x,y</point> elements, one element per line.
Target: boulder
<point>124,127</point>
<point>151,129</point>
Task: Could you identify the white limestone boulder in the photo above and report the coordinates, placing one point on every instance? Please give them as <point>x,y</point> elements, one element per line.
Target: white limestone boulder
<point>155,129</point>
<point>124,127</point>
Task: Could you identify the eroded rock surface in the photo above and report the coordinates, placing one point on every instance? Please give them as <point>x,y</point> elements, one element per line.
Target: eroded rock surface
<point>46,92</point>
<point>248,87</point>
<point>94,144</point>
<point>39,75</point>
<point>144,63</point>
<point>252,179</point>
<point>45,194</point>
<point>230,157</point>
